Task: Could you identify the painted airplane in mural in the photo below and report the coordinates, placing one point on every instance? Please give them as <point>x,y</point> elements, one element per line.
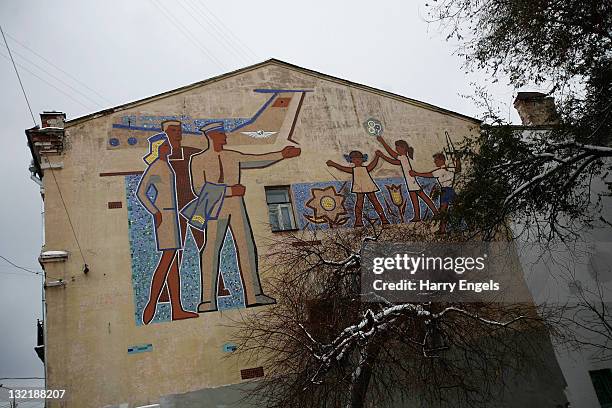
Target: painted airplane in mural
<point>274,122</point>
<point>276,118</point>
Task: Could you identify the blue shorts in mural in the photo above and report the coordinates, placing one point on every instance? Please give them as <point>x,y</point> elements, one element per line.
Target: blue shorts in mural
<point>145,257</point>
<point>447,196</point>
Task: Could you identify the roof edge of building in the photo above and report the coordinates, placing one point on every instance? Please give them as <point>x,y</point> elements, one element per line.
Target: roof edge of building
<point>271,61</point>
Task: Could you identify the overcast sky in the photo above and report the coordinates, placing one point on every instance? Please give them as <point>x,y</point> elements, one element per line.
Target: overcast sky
<point>112,52</point>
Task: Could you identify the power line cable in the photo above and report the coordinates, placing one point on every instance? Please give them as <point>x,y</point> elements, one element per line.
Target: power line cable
<point>59,79</point>
<point>51,85</point>
<point>205,26</point>
<point>19,267</point>
<point>84,85</point>
<point>59,190</point>
<point>14,265</point>
<point>18,77</point>
<point>236,38</point>
<point>188,34</point>
<point>17,274</point>
<point>217,33</point>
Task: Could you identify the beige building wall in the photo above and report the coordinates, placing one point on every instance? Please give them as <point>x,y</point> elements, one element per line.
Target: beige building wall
<point>91,322</point>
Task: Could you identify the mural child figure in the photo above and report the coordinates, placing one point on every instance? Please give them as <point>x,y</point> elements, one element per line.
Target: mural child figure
<point>215,174</point>
<point>363,185</point>
<point>401,156</point>
<point>446,178</point>
<point>160,180</point>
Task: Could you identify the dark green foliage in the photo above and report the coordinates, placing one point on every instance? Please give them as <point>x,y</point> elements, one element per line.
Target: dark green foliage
<point>544,179</point>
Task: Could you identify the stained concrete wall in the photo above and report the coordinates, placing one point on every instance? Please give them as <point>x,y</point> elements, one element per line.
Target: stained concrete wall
<point>90,321</point>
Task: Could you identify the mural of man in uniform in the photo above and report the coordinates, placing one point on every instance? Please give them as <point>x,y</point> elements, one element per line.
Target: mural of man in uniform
<point>157,193</point>
<point>179,160</point>
<point>215,176</point>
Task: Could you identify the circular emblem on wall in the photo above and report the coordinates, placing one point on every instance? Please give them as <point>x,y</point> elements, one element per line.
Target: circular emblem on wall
<point>328,203</point>
<point>132,141</point>
<point>373,127</point>
<point>114,141</point>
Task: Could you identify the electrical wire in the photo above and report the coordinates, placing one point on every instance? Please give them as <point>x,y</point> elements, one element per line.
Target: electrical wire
<point>84,85</point>
<point>170,17</point>
<point>51,85</point>
<point>216,33</point>
<point>221,23</point>
<point>14,265</point>
<point>59,190</point>
<point>17,274</point>
<point>19,267</point>
<point>59,80</point>
<point>18,77</point>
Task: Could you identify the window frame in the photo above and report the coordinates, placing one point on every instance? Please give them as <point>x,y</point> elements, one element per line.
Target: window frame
<point>287,188</point>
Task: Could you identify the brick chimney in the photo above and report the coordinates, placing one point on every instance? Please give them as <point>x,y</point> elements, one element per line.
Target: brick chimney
<point>536,109</point>
<point>52,119</point>
<point>46,141</point>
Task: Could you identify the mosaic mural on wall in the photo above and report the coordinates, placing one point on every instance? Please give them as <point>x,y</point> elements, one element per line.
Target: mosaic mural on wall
<point>192,246</point>
<point>417,195</point>
<point>191,242</point>
<point>331,204</point>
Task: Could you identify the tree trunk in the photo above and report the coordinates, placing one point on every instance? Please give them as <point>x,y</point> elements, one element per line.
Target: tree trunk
<point>362,375</point>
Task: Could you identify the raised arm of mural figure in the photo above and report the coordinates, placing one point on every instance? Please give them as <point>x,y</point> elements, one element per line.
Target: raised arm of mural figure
<point>373,163</point>
<point>419,174</point>
<point>387,158</point>
<point>340,167</point>
<point>388,148</point>
<point>145,184</point>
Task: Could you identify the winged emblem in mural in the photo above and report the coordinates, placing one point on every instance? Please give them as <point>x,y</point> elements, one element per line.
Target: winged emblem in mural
<point>259,134</point>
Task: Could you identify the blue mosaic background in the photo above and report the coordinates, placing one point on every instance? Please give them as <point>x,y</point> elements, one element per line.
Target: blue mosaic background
<point>189,124</point>
<point>145,257</point>
<point>301,194</point>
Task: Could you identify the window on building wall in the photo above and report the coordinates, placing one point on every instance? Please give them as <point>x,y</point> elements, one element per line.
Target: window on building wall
<point>602,382</point>
<point>280,208</point>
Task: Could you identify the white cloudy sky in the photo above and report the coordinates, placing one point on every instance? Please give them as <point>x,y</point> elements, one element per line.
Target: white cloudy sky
<point>114,51</point>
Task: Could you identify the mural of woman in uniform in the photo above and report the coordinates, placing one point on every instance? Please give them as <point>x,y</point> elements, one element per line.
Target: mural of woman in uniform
<point>157,193</point>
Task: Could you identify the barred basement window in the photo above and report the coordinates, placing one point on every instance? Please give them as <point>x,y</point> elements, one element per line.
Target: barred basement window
<point>280,209</point>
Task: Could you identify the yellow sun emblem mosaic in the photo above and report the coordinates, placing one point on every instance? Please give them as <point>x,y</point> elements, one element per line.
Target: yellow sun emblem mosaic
<point>328,207</point>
